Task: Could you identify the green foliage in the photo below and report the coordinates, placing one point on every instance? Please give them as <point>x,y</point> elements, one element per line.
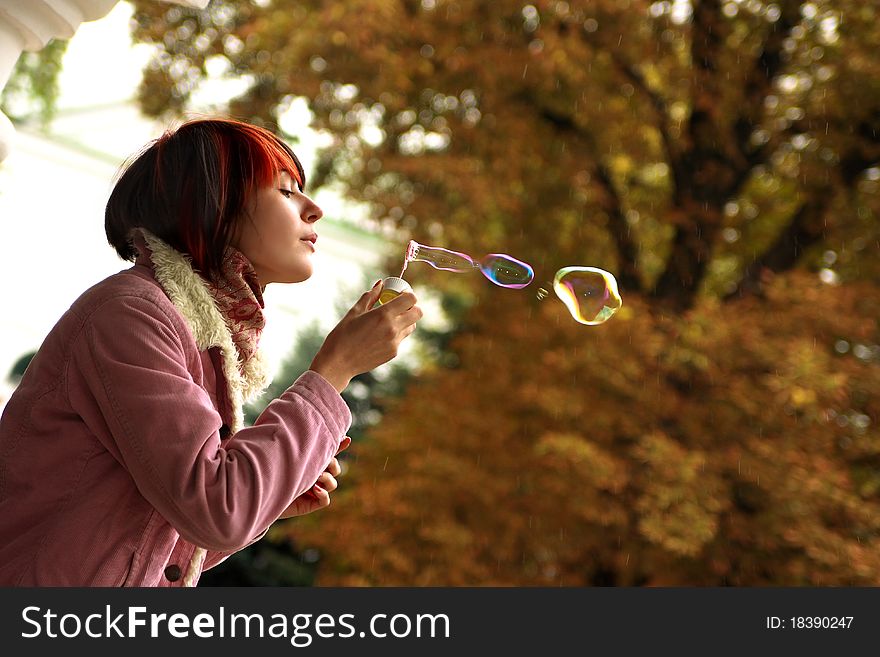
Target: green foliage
<point>308,342</point>
<point>33,85</point>
<point>19,367</point>
<point>266,563</point>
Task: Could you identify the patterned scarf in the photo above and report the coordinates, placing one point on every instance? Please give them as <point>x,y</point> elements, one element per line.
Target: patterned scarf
<point>239,299</point>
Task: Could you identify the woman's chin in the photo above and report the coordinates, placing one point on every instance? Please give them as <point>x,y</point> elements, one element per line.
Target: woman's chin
<point>301,272</point>
<point>298,277</point>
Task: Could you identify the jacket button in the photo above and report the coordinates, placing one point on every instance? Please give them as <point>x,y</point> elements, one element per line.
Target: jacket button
<point>172,573</point>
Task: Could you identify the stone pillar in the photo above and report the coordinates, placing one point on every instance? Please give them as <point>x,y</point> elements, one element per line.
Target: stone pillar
<point>31,24</point>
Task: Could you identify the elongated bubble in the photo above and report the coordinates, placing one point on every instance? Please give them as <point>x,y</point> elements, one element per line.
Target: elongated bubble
<point>500,268</point>
<point>589,293</point>
<point>439,258</point>
<point>506,271</point>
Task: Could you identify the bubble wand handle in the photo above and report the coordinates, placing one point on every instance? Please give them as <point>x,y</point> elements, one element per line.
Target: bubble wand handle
<point>411,250</point>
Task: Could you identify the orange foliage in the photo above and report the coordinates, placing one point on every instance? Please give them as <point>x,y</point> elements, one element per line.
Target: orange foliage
<point>734,445</point>
<point>692,153</point>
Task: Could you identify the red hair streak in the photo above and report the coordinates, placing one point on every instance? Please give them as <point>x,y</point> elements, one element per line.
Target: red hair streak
<point>193,185</point>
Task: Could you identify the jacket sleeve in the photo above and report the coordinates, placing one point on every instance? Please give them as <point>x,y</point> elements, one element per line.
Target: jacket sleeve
<point>137,393</point>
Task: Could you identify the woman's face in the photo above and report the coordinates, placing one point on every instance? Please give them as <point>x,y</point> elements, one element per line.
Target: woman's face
<point>279,235</point>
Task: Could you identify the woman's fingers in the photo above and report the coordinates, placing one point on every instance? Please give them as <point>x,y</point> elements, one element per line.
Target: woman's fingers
<point>327,481</point>
<point>333,467</point>
<point>322,496</point>
<point>410,317</point>
<point>401,303</point>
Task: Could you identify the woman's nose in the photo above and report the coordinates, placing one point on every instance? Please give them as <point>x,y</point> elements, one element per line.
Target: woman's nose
<point>313,212</point>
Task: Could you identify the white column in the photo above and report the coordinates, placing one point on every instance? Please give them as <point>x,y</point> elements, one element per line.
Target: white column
<point>31,24</point>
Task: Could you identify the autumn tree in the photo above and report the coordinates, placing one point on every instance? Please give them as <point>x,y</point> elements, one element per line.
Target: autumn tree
<point>715,155</point>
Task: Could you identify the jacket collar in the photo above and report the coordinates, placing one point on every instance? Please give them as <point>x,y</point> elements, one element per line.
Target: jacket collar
<point>190,295</point>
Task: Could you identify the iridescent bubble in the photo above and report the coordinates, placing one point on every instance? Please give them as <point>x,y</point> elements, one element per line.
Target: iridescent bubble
<point>589,293</point>
<point>506,271</point>
<point>438,258</point>
<point>500,268</point>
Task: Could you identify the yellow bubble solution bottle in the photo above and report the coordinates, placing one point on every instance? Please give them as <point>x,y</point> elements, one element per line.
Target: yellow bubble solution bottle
<point>392,287</point>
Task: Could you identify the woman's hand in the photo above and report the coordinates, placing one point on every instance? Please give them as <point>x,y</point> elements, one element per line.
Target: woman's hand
<point>366,337</point>
<point>318,496</point>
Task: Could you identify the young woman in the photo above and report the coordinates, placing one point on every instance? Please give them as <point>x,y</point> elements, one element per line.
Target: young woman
<point>124,459</point>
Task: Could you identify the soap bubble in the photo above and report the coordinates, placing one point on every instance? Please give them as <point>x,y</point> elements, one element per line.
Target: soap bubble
<point>589,293</point>
<point>439,258</point>
<point>500,268</point>
<point>506,271</point>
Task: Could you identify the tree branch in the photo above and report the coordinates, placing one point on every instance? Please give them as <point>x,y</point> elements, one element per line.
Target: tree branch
<point>661,110</point>
<point>805,228</point>
<point>807,225</point>
<point>758,84</point>
<point>690,252</point>
<point>628,277</point>
<point>706,169</point>
<point>719,156</point>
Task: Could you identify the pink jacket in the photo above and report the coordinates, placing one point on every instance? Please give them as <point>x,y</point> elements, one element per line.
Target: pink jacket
<point>122,451</point>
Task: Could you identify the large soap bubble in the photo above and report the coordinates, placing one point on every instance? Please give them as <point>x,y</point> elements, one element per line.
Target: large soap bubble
<point>589,293</point>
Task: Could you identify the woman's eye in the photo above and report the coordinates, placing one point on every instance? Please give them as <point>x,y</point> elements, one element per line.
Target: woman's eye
<point>287,192</point>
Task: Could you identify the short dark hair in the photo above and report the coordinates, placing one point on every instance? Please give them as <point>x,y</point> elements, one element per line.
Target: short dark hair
<point>191,186</point>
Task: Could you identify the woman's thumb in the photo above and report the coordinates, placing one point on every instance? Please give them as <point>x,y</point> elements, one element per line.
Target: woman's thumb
<point>367,300</point>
